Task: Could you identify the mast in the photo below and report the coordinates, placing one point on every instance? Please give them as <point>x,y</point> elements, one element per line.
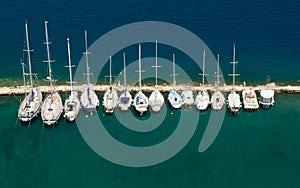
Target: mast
<point>86,53</point>
<point>124,61</point>
<point>233,68</point>
<point>156,63</point>
<point>24,74</point>
<point>70,67</point>
<point>174,81</point>
<point>28,54</point>
<point>156,66</point>
<point>49,61</point>
<point>140,72</point>
<point>110,80</point>
<point>234,62</point>
<point>140,67</point>
<point>203,67</point>
<point>218,71</point>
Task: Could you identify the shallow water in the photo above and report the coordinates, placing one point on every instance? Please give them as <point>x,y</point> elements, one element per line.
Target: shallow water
<point>257,148</point>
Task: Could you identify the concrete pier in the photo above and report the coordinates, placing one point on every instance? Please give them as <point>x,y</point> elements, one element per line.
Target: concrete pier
<point>18,90</point>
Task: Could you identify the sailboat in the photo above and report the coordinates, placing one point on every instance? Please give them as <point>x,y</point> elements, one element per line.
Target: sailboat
<point>72,104</point>
<point>125,99</point>
<point>156,99</point>
<point>234,102</point>
<point>217,98</point>
<point>31,105</point>
<point>52,107</point>
<point>110,97</point>
<point>140,102</point>
<point>202,99</point>
<point>187,97</point>
<point>89,100</point>
<point>174,98</point>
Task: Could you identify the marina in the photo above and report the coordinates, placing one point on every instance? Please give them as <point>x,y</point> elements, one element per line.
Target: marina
<point>178,95</point>
<point>255,148</point>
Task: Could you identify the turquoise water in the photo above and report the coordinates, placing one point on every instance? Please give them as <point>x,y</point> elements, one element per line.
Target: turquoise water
<point>253,149</point>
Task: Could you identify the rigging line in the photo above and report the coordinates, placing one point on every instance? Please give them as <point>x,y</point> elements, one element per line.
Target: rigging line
<point>17,122</point>
<point>41,138</point>
<point>18,99</point>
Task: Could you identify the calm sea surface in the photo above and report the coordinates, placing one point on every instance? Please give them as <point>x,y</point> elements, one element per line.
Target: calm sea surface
<point>253,149</point>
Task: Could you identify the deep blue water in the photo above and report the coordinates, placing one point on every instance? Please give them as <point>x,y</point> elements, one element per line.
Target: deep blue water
<point>267,33</point>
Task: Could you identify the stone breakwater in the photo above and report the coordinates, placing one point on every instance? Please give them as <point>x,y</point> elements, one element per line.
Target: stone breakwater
<point>18,90</point>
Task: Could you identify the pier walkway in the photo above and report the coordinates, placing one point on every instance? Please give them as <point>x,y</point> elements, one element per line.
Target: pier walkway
<point>18,90</point>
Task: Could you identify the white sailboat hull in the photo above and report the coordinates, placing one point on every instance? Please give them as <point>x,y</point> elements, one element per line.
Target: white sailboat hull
<point>187,98</point>
<point>202,100</point>
<point>125,101</point>
<point>110,100</point>
<point>250,100</point>
<point>156,100</point>
<point>141,102</point>
<point>217,100</point>
<point>31,105</point>
<point>52,109</point>
<point>89,100</point>
<point>234,102</point>
<point>72,107</point>
<point>175,99</point>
